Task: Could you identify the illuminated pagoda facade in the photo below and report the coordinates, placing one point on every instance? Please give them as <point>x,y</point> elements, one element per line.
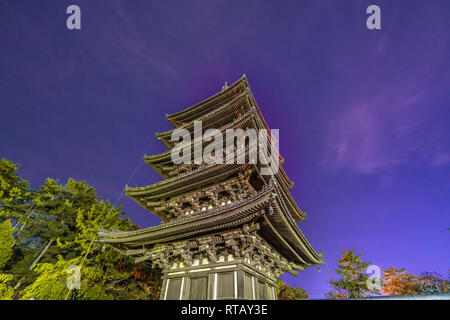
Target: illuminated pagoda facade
<point>227,231</point>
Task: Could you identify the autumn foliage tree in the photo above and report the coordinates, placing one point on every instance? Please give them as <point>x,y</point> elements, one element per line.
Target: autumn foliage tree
<point>398,282</point>
<point>432,283</point>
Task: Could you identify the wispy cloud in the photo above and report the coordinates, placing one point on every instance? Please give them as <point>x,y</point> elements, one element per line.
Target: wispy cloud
<point>382,112</point>
<point>380,131</point>
<point>440,160</point>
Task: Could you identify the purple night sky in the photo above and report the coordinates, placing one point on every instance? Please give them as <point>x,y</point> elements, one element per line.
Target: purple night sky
<point>364,115</point>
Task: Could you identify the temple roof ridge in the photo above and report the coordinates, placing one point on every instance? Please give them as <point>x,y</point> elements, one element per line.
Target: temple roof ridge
<point>149,158</point>
<point>245,93</point>
<point>172,117</point>
<point>201,167</point>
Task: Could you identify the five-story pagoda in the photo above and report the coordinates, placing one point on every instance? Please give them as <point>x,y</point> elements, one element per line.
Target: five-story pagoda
<point>227,231</point>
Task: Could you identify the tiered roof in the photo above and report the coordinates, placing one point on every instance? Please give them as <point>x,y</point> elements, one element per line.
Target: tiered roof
<point>233,107</point>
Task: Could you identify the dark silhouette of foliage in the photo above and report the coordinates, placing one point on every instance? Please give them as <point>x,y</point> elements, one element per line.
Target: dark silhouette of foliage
<point>285,292</point>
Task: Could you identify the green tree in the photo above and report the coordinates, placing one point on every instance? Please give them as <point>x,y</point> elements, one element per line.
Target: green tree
<point>6,290</point>
<point>15,204</point>
<point>15,193</point>
<point>73,214</point>
<point>55,228</point>
<point>54,279</point>
<point>6,242</point>
<point>286,292</point>
<point>353,277</point>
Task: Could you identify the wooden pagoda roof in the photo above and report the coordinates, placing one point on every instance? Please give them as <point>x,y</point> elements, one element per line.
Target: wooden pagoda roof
<point>280,230</point>
<point>216,118</point>
<point>158,160</point>
<point>203,176</point>
<point>189,114</point>
<point>213,111</point>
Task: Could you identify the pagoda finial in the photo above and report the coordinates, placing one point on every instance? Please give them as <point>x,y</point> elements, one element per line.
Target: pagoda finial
<point>225,86</point>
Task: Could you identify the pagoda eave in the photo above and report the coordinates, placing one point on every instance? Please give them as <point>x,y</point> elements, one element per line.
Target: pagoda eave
<point>214,119</point>
<point>179,118</point>
<point>294,246</point>
<point>180,228</point>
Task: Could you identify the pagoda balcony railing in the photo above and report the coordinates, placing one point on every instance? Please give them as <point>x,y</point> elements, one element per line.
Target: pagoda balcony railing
<point>164,224</point>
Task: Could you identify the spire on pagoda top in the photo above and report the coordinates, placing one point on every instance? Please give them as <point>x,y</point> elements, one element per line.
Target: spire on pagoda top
<point>225,86</point>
